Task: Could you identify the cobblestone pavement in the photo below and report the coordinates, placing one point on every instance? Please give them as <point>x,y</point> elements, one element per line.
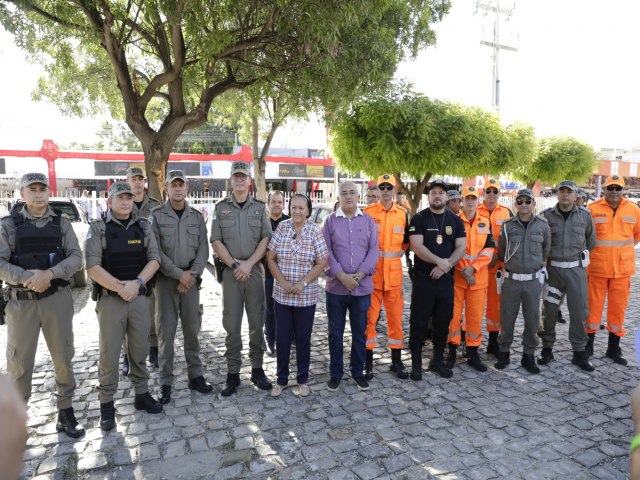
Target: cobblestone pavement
<point>562,423</point>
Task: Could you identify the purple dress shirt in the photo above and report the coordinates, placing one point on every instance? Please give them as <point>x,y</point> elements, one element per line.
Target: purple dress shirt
<point>353,247</point>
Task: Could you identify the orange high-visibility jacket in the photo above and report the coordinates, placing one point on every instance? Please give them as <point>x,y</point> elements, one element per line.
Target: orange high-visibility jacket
<point>478,253</point>
<point>392,228</point>
<point>498,216</point>
<point>616,234</point>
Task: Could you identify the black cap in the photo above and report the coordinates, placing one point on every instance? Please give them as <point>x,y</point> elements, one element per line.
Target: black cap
<point>438,183</point>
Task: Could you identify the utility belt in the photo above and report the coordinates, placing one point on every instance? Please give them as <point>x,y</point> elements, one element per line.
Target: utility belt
<point>12,293</point>
<point>582,262</point>
<point>524,277</point>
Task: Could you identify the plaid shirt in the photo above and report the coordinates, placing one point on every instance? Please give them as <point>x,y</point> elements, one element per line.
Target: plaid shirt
<point>295,258</point>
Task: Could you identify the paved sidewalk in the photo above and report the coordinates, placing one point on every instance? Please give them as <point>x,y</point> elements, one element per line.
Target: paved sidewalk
<point>562,423</point>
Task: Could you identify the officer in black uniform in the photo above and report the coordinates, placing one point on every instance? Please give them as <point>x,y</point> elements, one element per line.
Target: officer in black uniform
<point>122,258</point>
<point>438,241</point>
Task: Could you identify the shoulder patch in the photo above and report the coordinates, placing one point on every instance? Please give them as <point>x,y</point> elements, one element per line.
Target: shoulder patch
<point>482,225</point>
<point>412,228</point>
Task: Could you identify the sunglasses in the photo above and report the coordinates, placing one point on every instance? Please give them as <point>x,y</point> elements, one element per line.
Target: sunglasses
<point>614,188</point>
<point>386,187</point>
<point>520,202</point>
<point>492,190</point>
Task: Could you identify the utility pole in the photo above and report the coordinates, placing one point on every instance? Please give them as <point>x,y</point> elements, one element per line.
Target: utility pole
<point>494,6</point>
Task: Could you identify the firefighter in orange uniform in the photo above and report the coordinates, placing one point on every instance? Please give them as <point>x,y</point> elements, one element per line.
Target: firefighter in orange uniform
<point>617,223</point>
<point>498,214</point>
<point>471,279</point>
<point>392,223</point>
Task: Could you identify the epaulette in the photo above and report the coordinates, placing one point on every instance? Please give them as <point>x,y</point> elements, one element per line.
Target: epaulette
<point>96,220</point>
<point>546,210</point>
<point>259,201</point>
<point>580,207</point>
<point>193,209</point>
<point>541,217</point>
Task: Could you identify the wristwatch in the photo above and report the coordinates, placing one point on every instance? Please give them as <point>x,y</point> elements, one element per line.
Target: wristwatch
<point>234,265</point>
<point>140,282</point>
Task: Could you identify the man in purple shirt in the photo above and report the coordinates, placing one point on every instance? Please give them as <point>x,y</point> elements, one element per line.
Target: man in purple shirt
<point>352,241</point>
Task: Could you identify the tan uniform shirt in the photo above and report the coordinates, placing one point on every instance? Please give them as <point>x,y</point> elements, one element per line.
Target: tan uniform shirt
<point>240,230</point>
<point>149,204</point>
<point>96,241</point>
<point>182,240</point>
<point>571,236</point>
<point>524,250</point>
<point>15,275</point>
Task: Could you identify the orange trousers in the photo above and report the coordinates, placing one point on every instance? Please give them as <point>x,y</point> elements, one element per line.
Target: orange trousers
<point>617,290</point>
<point>473,302</point>
<point>393,305</point>
<point>493,301</point>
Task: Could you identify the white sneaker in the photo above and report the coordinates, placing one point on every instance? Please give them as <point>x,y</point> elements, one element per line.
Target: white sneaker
<point>303,390</point>
<point>277,390</point>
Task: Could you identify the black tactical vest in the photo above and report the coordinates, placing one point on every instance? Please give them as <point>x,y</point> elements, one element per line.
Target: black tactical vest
<point>37,248</point>
<point>126,253</point>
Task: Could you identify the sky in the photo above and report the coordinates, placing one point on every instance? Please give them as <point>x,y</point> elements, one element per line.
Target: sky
<point>575,73</point>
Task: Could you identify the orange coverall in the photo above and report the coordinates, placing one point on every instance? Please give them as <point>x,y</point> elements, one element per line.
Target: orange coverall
<point>499,215</point>
<point>472,298</point>
<point>392,227</point>
<point>612,263</point>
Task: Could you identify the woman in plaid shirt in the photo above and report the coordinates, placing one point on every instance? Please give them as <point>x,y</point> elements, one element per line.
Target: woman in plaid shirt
<point>296,256</point>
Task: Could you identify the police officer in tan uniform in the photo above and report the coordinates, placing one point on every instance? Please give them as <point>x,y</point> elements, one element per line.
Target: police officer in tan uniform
<point>122,257</point>
<point>572,237</point>
<point>39,253</point>
<point>182,239</point>
<point>143,205</point>
<point>523,246</point>
<point>240,232</point>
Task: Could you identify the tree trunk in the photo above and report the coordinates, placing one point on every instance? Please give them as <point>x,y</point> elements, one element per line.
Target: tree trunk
<point>155,163</point>
<point>414,195</point>
<point>259,168</point>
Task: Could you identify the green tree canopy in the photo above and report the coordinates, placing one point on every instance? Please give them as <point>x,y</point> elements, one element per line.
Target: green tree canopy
<point>411,135</point>
<point>160,64</point>
<point>559,158</point>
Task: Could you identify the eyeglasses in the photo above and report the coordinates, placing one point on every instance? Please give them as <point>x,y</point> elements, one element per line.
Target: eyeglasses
<point>386,186</point>
<point>520,202</point>
<point>492,190</point>
<point>614,188</point>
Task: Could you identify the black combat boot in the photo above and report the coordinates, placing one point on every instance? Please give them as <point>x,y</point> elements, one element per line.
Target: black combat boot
<point>259,379</point>
<point>153,357</point>
<point>200,384</point>
<point>68,424</point>
<point>504,359</point>
<point>581,360</point>
<point>492,345</point>
<point>613,350</point>
<point>165,394</point>
<point>546,356</point>
<point>125,365</point>
<point>416,364</point>
<point>560,317</point>
<point>107,416</point>
<point>451,356</point>
<point>232,384</point>
<point>589,347</point>
<point>437,363</point>
<point>473,359</point>
<point>144,401</point>
<point>397,366</point>
<point>368,365</point>
<point>529,363</point>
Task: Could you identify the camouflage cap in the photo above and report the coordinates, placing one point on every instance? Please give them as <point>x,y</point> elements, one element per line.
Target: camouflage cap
<point>525,192</point>
<point>135,171</point>
<point>453,195</point>
<point>30,178</point>
<point>175,175</point>
<point>582,193</point>
<point>119,188</point>
<point>240,167</point>
<point>568,184</point>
